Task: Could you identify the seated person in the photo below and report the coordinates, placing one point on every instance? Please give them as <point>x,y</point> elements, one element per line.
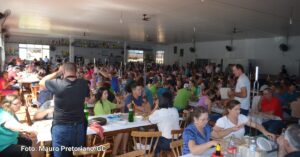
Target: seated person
<point>206,98</point>
<point>289,143</point>
<point>13,134</point>
<point>45,111</point>
<point>194,88</point>
<point>103,106</point>
<point>142,106</point>
<point>295,108</point>
<point>167,119</point>
<point>233,122</point>
<point>6,85</point>
<point>44,95</point>
<point>271,105</point>
<point>291,94</point>
<point>182,98</point>
<point>163,89</point>
<point>196,136</point>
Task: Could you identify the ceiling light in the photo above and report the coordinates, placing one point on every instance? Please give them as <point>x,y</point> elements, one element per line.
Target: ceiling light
<point>121,18</point>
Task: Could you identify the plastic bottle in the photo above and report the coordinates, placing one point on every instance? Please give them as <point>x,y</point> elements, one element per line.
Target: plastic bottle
<point>232,149</point>
<point>252,148</point>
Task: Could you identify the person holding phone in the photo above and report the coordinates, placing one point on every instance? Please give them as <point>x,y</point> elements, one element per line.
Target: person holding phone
<point>233,122</point>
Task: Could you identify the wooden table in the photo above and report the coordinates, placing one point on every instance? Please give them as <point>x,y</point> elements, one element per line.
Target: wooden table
<point>242,151</point>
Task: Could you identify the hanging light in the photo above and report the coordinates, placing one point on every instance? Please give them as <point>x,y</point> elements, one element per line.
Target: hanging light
<point>121,18</point>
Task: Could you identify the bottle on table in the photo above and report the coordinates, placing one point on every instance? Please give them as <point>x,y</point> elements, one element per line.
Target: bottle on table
<point>28,119</point>
<point>283,132</point>
<point>252,147</point>
<point>86,111</point>
<point>131,112</point>
<point>232,149</point>
<point>218,151</point>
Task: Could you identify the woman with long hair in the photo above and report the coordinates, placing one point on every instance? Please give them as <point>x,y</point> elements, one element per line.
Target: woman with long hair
<point>13,135</point>
<point>233,122</point>
<point>103,105</point>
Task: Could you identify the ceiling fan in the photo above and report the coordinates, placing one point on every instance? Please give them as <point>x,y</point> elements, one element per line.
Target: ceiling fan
<point>234,31</point>
<point>146,17</point>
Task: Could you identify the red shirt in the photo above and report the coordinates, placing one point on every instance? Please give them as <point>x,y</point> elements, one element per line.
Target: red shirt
<point>272,105</point>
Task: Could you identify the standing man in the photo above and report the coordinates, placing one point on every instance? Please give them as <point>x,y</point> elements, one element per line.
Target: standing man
<point>46,60</point>
<point>69,123</point>
<point>242,89</point>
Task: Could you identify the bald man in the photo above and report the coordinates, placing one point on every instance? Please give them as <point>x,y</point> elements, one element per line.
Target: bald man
<point>70,93</point>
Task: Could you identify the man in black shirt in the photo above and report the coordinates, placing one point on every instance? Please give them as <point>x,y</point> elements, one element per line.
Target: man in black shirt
<point>69,123</point>
<point>289,144</point>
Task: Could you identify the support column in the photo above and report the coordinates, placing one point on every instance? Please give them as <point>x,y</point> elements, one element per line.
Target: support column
<point>71,50</point>
<point>2,51</point>
<point>125,56</point>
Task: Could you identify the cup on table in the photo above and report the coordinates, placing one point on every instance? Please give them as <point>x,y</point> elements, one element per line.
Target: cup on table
<point>247,140</point>
<point>138,118</point>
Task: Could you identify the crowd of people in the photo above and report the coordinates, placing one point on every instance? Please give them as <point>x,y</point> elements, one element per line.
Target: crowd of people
<point>160,91</point>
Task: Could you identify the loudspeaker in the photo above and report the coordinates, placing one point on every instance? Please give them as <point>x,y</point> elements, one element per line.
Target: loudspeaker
<point>192,49</point>
<point>52,48</point>
<point>175,49</point>
<point>181,52</point>
<point>283,47</point>
<point>6,36</point>
<point>2,15</point>
<point>228,48</point>
<point>3,30</point>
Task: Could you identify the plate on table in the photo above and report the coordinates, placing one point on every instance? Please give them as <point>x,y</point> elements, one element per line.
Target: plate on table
<point>100,120</point>
<point>264,144</point>
<point>114,117</point>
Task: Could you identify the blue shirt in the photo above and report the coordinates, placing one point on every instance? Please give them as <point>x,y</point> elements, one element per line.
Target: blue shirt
<point>192,133</point>
<point>115,84</point>
<point>282,100</point>
<point>162,90</point>
<point>128,100</point>
<point>290,97</point>
<point>149,96</point>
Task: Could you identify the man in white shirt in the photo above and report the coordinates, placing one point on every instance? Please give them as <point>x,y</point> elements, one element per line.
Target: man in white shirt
<point>242,89</point>
<point>46,60</point>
